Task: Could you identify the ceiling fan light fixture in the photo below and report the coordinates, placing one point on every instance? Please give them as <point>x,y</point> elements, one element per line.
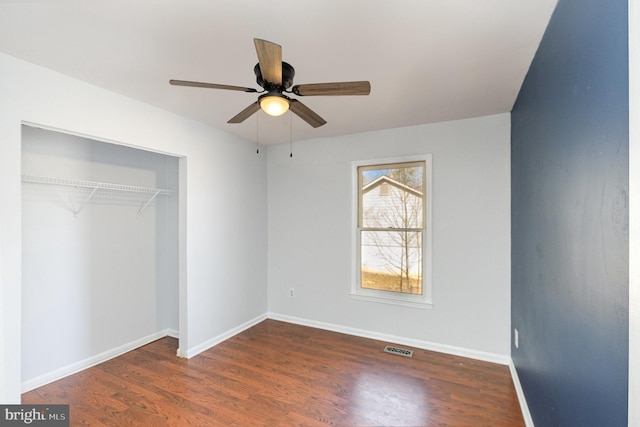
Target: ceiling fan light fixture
<point>274,105</point>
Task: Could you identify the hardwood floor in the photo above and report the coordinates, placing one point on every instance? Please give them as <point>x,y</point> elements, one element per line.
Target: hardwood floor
<point>279,374</point>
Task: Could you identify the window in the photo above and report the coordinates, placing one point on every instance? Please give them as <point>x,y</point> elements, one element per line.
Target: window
<point>392,236</point>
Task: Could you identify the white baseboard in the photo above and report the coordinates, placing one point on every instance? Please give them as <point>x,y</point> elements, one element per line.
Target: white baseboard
<point>524,407</point>
<point>73,368</point>
<point>425,345</point>
<point>220,338</point>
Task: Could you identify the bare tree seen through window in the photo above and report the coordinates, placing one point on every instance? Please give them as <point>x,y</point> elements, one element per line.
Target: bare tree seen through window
<point>391,226</point>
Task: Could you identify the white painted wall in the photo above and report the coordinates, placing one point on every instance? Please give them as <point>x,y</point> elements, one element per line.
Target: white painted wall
<point>223,223</point>
<point>310,232</point>
<point>106,277</point>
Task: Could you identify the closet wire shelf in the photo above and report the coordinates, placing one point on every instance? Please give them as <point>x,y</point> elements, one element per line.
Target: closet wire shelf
<point>95,186</point>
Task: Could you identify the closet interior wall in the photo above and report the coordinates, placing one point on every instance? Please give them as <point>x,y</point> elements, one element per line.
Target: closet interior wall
<point>99,265</point>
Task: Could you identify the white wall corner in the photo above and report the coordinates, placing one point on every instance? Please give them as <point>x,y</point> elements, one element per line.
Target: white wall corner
<point>172,333</point>
<point>194,351</point>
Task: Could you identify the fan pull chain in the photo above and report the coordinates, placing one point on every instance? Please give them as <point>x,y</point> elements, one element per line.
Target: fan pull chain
<point>258,132</point>
<point>290,134</point>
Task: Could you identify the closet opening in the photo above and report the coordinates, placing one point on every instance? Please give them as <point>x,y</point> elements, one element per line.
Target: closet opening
<point>101,253</point>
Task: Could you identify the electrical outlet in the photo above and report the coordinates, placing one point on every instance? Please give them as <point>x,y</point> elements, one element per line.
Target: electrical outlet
<point>292,292</point>
<point>516,338</point>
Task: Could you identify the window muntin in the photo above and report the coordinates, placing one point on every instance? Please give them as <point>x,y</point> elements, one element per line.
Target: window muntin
<point>391,227</point>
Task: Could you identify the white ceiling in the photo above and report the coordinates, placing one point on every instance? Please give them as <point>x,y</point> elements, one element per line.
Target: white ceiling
<point>427,60</point>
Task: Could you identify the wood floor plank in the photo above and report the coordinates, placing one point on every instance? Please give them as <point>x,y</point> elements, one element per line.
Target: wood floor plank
<point>279,374</point>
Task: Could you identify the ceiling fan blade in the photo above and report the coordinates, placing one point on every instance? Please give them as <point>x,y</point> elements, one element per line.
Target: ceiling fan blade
<point>340,88</point>
<point>246,113</point>
<point>306,114</point>
<point>270,60</point>
<point>210,86</point>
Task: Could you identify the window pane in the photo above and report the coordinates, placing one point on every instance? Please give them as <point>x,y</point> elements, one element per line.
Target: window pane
<point>391,261</point>
<point>392,196</point>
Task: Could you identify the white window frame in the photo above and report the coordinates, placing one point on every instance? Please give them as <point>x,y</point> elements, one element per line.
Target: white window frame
<point>379,296</point>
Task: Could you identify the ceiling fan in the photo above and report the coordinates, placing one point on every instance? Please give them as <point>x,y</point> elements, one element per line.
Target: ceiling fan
<point>276,77</point>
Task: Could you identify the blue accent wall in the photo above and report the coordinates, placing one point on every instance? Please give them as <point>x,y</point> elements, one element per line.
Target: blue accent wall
<point>569,171</point>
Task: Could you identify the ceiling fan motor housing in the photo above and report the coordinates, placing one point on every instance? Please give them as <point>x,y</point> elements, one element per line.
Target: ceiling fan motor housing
<point>288,72</point>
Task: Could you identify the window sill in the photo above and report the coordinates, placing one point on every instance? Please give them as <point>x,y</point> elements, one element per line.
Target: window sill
<point>394,300</point>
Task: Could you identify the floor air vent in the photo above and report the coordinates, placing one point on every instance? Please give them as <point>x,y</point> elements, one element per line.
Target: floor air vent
<point>398,351</point>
